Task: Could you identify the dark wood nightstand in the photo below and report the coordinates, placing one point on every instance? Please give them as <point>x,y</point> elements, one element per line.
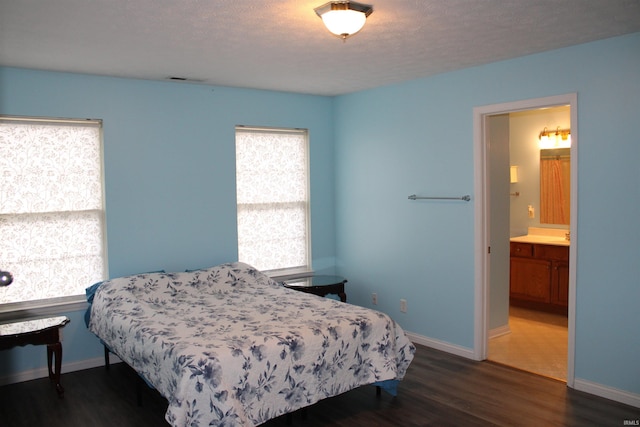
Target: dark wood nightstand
<point>319,285</point>
<point>38,332</point>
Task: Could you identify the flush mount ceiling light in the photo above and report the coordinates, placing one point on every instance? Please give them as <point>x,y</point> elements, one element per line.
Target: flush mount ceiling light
<point>344,18</point>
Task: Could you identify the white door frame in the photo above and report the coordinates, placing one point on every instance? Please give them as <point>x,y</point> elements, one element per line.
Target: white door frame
<point>481,215</point>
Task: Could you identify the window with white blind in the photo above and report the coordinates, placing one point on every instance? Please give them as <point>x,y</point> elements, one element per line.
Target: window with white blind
<point>272,186</point>
<point>52,218</point>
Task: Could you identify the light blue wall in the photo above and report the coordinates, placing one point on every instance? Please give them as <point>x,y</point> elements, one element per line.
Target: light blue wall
<point>169,155</point>
<point>170,186</point>
<point>417,137</point>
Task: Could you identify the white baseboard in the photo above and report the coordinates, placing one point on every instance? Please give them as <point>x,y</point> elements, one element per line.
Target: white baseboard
<point>600,390</point>
<point>441,345</point>
<point>43,372</point>
<point>499,331</point>
<point>610,393</point>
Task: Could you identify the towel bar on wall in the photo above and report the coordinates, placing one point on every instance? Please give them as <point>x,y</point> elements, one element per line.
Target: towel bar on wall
<point>466,198</point>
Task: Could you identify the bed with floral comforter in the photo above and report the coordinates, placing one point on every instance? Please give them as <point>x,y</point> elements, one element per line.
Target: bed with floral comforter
<point>228,346</point>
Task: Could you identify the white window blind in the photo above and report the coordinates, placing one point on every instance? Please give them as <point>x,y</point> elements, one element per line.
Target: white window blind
<point>52,219</point>
<point>272,186</point>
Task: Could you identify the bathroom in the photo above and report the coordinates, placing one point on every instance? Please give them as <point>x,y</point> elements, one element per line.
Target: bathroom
<point>535,336</point>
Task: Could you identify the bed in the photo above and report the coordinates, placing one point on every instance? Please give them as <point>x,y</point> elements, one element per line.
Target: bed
<point>228,346</point>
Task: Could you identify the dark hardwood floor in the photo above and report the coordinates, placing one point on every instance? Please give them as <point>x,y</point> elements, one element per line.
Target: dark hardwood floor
<point>439,390</point>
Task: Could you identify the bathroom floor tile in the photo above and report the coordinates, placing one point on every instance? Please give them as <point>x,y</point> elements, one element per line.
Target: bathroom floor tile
<point>537,343</point>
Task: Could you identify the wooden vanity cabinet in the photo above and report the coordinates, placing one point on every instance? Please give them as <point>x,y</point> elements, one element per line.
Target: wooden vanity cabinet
<point>560,283</point>
<point>539,276</point>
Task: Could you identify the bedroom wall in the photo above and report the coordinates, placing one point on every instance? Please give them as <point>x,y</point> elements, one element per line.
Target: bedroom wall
<point>417,137</point>
<point>169,155</point>
<point>168,151</point>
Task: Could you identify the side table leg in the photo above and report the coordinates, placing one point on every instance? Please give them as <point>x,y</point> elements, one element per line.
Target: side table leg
<point>50,360</point>
<point>55,350</point>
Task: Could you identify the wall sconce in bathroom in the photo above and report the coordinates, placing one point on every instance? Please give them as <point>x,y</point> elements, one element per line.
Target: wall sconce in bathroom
<point>561,138</point>
<point>514,174</point>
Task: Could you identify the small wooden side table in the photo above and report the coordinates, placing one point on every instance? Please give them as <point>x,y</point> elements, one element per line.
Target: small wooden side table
<point>38,332</point>
<point>319,285</point>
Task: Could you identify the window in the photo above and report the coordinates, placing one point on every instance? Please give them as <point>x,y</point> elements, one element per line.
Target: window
<point>272,186</point>
<point>51,210</point>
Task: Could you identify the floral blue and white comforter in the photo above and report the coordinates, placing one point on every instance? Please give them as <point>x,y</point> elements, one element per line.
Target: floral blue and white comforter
<point>228,346</point>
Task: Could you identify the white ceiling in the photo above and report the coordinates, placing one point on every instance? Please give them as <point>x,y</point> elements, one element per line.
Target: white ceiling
<point>282,45</point>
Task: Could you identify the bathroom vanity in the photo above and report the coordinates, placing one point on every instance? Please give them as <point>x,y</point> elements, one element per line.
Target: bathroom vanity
<point>539,272</point>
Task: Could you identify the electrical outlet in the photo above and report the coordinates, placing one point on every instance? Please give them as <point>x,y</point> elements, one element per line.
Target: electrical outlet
<point>403,305</point>
<point>374,298</point>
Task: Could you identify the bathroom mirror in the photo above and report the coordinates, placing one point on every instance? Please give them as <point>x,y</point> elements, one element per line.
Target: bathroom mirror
<point>555,186</point>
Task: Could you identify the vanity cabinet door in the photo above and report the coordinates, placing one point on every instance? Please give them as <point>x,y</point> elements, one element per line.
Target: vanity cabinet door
<point>530,279</point>
<point>560,283</point>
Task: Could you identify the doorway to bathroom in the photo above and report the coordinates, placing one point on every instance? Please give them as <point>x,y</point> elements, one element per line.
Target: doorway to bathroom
<point>525,316</point>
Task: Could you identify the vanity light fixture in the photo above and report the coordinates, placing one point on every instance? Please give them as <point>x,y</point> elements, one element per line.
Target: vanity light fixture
<point>344,18</point>
<point>561,138</point>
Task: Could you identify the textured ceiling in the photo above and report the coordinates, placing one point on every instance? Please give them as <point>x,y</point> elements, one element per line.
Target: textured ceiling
<point>283,45</point>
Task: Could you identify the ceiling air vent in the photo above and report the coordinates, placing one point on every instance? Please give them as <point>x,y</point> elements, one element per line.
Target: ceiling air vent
<point>184,79</point>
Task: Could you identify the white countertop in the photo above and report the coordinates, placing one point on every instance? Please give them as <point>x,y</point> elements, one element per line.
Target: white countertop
<point>544,236</point>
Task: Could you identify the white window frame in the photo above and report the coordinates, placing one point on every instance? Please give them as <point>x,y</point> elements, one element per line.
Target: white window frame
<point>58,305</point>
<point>292,271</point>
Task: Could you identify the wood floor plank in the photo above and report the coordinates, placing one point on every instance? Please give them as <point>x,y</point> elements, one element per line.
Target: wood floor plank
<point>439,389</point>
